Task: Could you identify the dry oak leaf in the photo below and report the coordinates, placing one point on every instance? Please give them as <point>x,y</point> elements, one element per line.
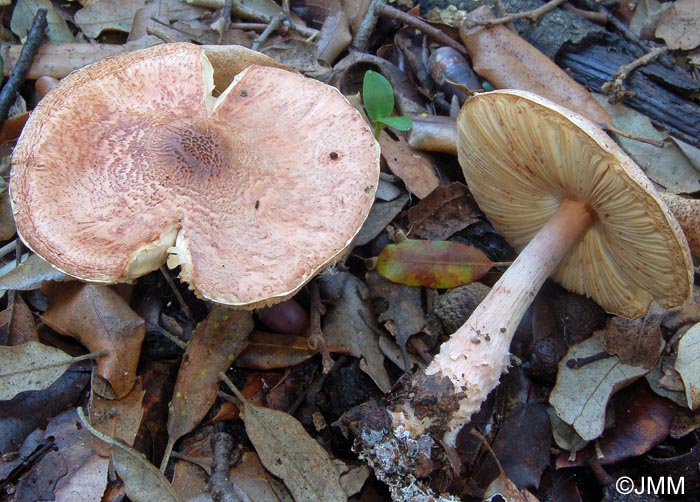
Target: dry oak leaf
<point>100,319</point>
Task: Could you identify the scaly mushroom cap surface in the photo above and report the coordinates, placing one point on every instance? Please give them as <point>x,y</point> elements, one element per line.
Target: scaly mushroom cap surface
<point>522,155</point>
<point>131,161</point>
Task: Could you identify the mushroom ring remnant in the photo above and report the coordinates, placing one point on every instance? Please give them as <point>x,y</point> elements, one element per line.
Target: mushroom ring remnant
<point>132,161</point>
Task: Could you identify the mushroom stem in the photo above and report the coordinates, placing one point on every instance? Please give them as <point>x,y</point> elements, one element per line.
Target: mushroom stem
<point>477,353</point>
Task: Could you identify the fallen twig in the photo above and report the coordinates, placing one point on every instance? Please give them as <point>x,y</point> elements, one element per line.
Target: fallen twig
<point>531,15</point>
<point>616,87</point>
<point>19,72</point>
<point>378,8</point>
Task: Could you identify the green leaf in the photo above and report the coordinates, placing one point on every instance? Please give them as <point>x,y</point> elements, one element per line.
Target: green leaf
<point>377,95</point>
<point>434,264</point>
<point>399,123</point>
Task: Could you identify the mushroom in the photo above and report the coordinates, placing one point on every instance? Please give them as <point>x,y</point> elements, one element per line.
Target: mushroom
<point>578,209</point>
<point>687,212</point>
<point>132,161</point>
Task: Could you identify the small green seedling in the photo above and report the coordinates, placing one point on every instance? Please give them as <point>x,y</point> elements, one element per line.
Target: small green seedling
<point>378,96</point>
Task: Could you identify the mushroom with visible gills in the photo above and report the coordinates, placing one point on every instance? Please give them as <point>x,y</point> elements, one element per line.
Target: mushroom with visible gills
<point>578,210</point>
<point>133,161</point>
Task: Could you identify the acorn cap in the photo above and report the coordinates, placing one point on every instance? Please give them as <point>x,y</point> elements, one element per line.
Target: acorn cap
<point>132,161</point>
<point>522,155</point>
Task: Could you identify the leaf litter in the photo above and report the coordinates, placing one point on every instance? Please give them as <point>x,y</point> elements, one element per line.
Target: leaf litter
<point>367,317</point>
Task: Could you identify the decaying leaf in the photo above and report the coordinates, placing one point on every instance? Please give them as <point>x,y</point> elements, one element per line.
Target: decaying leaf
<point>7,222</point>
<point>143,482</point>
<point>641,421</point>
<point>17,324</point>
<point>678,25</point>
<point>414,167</point>
<point>346,325</point>
<point>115,15</point>
<point>580,396</point>
<point>398,307</point>
<point>445,211</point>
<point>32,366</point>
<point>101,320</point>
<point>288,452</point>
<point>267,351</point>
<point>31,274</point>
<point>24,413</point>
<point>687,364</point>
<point>434,264</point>
<point>214,346</point>
<point>250,476</point>
<point>23,15</point>
<point>668,165</point>
<point>117,418</point>
<point>522,444</point>
<point>69,470</point>
<point>381,214</point>
<point>636,341</point>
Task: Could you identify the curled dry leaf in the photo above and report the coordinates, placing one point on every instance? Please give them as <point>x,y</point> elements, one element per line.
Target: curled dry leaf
<point>100,319</point>
<point>17,324</point>
<point>507,61</point>
<point>641,421</point>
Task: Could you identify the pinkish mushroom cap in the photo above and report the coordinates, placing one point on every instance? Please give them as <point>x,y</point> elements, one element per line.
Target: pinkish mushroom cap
<point>131,162</point>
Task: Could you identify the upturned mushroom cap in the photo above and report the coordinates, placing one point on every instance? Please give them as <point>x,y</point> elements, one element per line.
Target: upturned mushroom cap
<point>131,161</point>
<point>522,155</point>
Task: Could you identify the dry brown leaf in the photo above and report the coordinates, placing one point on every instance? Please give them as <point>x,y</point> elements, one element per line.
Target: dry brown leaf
<point>69,471</point>
<point>346,325</point>
<point>678,25</point>
<point>288,452</point>
<point>31,366</point>
<point>17,324</point>
<point>637,342</point>
<point>250,476</point>
<point>7,221</point>
<point>414,167</point>
<point>113,15</point>
<point>23,414</point>
<point>381,214</point>
<point>334,37</point>
<point>268,351</point>
<point>100,319</point>
<point>120,418</point>
<point>32,273</point>
<point>502,57</point>
<point>447,210</point>
<point>216,343</point>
